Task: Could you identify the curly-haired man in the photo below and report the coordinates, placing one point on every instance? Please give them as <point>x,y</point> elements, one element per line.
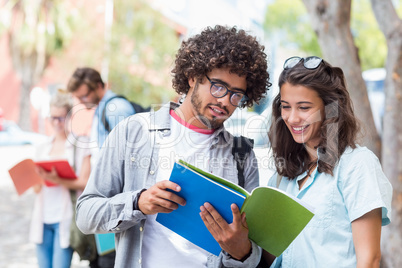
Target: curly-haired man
<point>217,71</point>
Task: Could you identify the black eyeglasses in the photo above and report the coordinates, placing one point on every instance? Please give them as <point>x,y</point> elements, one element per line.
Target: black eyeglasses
<point>310,63</point>
<point>219,90</point>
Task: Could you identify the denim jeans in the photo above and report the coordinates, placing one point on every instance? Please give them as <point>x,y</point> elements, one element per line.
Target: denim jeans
<point>49,253</point>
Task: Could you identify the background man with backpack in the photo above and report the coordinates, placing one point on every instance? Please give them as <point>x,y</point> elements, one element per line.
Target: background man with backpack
<point>87,86</point>
<point>217,70</point>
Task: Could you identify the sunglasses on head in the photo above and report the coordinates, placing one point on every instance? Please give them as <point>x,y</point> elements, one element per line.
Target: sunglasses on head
<point>310,63</point>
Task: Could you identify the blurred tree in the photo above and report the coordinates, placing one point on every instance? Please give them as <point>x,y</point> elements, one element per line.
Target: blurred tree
<point>391,26</point>
<point>367,35</point>
<point>289,20</point>
<point>36,29</point>
<point>142,53</point>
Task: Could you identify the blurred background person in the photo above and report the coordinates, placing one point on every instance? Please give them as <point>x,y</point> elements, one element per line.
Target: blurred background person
<point>54,208</point>
<point>87,86</point>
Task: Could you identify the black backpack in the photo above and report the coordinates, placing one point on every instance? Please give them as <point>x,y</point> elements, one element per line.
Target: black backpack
<point>241,149</point>
<point>137,108</point>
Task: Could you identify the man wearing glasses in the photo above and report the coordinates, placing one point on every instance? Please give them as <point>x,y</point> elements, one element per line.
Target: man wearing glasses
<point>216,71</point>
<point>88,87</point>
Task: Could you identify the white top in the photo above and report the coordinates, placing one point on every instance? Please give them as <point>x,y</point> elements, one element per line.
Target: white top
<point>52,210</point>
<point>193,147</point>
<point>53,204</point>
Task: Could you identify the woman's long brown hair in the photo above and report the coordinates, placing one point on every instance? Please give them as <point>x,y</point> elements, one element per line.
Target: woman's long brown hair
<point>339,128</point>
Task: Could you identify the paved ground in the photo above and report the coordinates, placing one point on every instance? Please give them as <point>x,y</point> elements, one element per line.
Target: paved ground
<point>15,213</point>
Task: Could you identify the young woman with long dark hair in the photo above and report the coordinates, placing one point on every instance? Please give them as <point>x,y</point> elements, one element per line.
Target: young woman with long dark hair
<point>314,141</point>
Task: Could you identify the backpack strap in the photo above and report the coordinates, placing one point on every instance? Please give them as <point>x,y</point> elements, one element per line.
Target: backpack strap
<point>104,121</point>
<point>241,149</point>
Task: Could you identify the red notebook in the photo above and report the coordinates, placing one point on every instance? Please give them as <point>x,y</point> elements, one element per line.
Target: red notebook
<point>24,173</point>
<point>63,168</point>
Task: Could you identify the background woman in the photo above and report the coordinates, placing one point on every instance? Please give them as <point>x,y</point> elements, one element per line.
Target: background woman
<point>53,208</point>
<point>313,136</point>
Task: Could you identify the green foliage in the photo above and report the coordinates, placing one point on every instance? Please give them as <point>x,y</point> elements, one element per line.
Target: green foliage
<point>36,27</point>
<point>399,8</point>
<point>142,54</point>
<point>367,35</point>
<point>5,16</point>
<point>61,29</point>
<point>289,20</point>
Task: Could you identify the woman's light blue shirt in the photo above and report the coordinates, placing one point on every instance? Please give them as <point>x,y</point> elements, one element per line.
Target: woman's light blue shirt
<point>357,187</point>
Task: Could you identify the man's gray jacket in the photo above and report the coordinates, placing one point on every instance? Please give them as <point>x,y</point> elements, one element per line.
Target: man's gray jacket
<point>128,163</point>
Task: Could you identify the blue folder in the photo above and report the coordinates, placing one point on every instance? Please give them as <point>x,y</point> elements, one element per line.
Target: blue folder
<point>104,243</point>
<point>197,189</point>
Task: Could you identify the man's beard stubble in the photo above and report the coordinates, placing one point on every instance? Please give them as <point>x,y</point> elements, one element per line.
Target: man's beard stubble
<point>196,101</point>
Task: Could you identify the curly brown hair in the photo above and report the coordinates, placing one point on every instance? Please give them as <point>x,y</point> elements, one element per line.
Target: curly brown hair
<point>222,47</point>
<point>339,128</point>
